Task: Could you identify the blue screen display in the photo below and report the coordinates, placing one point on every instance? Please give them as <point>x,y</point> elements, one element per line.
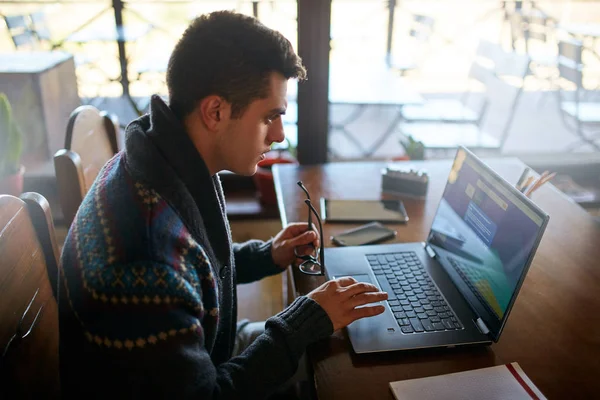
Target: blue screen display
<point>485,232</point>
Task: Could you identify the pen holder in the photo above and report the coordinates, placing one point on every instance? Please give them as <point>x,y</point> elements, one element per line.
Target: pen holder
<point>404,181</point>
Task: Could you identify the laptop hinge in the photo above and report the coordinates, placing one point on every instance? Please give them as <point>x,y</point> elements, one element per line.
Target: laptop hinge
<point>430,251</point>
<point>482,326</point>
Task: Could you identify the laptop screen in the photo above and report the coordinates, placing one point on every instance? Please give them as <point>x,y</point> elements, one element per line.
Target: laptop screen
<point>485,234</point>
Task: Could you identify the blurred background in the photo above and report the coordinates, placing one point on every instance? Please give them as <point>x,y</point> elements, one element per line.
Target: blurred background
<point>396,80</point>
<point>406,79</point>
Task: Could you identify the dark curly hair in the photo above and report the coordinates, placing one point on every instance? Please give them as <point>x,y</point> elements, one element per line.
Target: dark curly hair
<point>230,55</point>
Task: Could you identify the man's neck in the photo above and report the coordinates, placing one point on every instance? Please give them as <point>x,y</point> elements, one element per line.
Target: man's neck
<point>205,146</point>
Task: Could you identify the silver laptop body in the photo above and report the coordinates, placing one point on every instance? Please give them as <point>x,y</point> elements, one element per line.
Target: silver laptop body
<point>457,287</point>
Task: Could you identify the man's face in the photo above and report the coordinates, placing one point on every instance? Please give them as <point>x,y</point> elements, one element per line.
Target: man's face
<point>246,139</point>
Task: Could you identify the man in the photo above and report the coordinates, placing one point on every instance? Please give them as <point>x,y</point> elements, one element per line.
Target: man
<point>148,305</point>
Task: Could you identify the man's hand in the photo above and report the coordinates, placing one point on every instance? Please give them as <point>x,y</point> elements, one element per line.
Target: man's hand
<point>339,298</point>
<point>294,235</point>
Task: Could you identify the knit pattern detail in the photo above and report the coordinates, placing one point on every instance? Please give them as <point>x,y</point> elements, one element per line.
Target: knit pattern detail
<point>128,252</point>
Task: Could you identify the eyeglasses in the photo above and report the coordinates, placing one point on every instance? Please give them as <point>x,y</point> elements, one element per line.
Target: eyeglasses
<point>311,265</point>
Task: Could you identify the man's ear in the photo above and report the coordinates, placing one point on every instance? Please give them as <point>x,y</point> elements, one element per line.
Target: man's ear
<point>214,111</point>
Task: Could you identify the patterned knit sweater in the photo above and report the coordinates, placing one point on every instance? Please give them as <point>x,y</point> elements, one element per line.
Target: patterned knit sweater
<point>148,301</point>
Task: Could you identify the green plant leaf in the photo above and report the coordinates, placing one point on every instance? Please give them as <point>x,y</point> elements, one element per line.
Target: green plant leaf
<point>413,148</point>
<point>11,139</point>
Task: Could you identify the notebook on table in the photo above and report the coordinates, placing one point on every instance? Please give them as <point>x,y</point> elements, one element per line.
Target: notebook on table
<point>499,382</point>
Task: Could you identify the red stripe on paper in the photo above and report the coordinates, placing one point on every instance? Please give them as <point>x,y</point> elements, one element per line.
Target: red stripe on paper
<point>521,381</point>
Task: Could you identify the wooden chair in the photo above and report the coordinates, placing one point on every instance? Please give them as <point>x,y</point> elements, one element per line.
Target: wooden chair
<point>580,115</point>
<point>502,95</point>
<point>40,27</point>
<point>28,310</point>
<point>461,111</point>
<point>20,32</point>
<point>91,141</point>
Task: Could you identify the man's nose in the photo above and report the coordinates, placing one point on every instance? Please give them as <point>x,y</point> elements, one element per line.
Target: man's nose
<point>276,132</point>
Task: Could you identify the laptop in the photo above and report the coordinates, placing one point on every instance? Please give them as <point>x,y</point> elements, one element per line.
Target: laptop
<point>458,287</point>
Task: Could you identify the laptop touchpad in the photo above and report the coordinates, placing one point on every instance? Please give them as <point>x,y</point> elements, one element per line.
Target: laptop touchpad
<point>370,332</point>
<point>359,278</point>
<point>362,278</point>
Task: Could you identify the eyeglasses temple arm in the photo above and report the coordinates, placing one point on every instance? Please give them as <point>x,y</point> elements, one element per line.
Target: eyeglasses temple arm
<point>321,253</point>
<point>299,183</point>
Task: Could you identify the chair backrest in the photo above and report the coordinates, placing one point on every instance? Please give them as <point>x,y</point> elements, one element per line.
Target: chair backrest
<point>537,27</point>
<point>530,26</point>
<point>28,310</point>
<point>571,49</point>
<point>91,140</point>
<point>487,55</point>
<point>570,68</point>
<point>491,60</point>
<point>571,71</point>
<point>39,26</point>
<point>20,32</point>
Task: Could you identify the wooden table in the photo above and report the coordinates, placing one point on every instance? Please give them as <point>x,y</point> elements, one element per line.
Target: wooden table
<point>553,331</point>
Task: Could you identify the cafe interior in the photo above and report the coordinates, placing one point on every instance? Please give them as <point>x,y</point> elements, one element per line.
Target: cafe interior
<point>398,93</point>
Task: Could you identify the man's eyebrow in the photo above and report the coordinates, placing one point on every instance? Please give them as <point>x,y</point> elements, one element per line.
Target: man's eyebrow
<point>277,110</point>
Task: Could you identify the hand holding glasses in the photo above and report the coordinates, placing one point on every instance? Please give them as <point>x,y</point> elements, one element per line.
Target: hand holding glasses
<point>311,265</point>
<point>344,299</point>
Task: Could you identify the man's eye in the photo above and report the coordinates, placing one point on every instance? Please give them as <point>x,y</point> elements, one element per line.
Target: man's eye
<point>272,118</point>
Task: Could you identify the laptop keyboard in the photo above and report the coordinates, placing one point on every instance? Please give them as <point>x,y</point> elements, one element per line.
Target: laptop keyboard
<point>415,300</point>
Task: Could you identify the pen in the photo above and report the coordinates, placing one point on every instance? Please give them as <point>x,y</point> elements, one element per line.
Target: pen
<point>531,188</point>
<point>545,177</point>
<point>526,184</point>
<point>522,178</point>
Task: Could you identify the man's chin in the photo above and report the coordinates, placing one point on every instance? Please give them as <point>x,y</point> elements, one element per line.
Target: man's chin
<point>249,171</point>
<point>252,171</point>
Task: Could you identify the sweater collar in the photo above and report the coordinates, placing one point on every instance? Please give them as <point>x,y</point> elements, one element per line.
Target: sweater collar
<point>160,153</point>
